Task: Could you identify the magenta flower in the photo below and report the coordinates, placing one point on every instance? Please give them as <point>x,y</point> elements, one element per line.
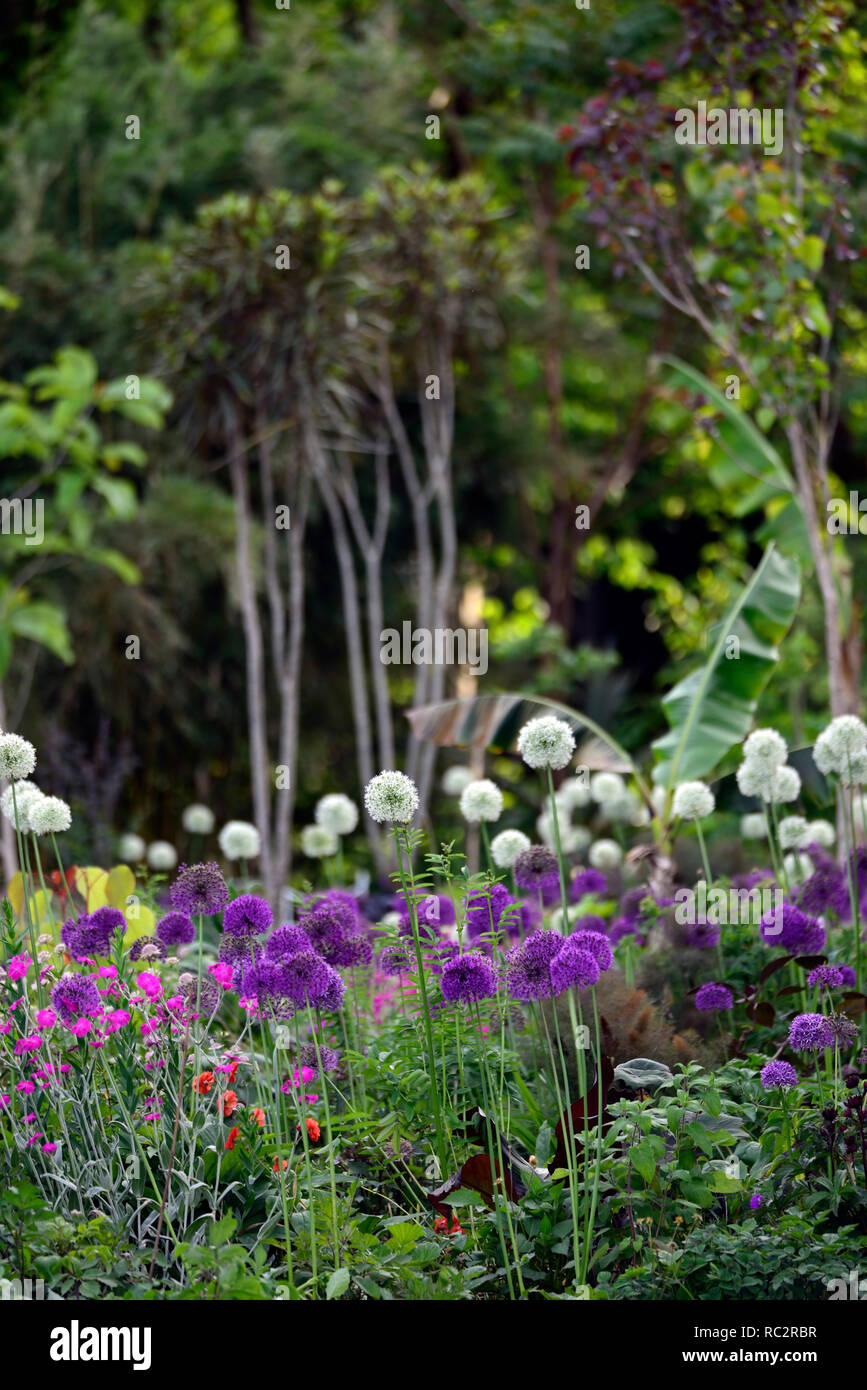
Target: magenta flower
<point>81,1026</point>
<point>222,973</point>
<point>46,1018</point>
<point>18,967</point>
<point>49,1148</point>
<point>151,984</point>
<point>31,1044</point>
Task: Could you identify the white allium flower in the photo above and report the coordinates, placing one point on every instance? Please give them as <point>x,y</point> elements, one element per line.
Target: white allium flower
<point>198,819</point>
<point>787,785</point>
<point>17,756</point>
<point>546,742</point>
<point>853,768</point>
<point>390,919</point>
<point>162,855</point>
<point>238,839</point>
<point>607,786</point>
<point>564,922</point>
<point>481,800</point>
<point>48,815</point>
<point>574,794</point>
<point>455,778</point>
<point>573,838</point>
<point>824,755</point>
<point>820,832</point>
<point>797,866</point>
<point>506,847</point>
<point>604,854</point>
<point>693,801</point>
<point>792,830</point>
<point>391,796</point>
<point>753,826</point>
<point>318,842</point>
<point>766,746</point>
<point>846,734</point>
<point>624,809</point>
<point>25,793</point>
<point>131,848</point>
<point>755,779</point>
<point>657,799</point>
<point>337,813</point>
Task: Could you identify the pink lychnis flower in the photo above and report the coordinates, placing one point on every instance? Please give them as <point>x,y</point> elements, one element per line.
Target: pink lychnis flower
<point>17,967</point>
<point>45,1018</point>
<point>81,1026</point>
<point>31,1044</point>
<point>118,1018</point>
<point>222,973</point>
<point>151,984</point>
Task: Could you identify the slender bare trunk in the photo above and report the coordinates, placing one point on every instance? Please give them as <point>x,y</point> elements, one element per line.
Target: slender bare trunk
<point>7,833</point>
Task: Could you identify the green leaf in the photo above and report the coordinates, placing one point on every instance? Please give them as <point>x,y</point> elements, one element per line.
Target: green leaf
<point>712,708</point>
<point>811,251</point>
<point>643,1160</point>
<point>337,1284</point>
<point>44,623</point>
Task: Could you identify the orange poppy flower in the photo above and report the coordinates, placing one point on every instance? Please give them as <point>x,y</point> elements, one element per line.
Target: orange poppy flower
<point>229,1103</point>
<point>259,1116</point>
<point>283,1161</point>
<point>203,1083</point>
<point>313,1129</point>
<point>234,1134</point>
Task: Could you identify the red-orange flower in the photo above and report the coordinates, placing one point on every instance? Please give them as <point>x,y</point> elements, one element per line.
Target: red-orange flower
<point>234,1134</point>
<point>259,1116</point>
<point>313,1129</point>
<point>283,1161</point>
<point>203,1083</point>
<point>229,1103</point>
<point>441,1226</point>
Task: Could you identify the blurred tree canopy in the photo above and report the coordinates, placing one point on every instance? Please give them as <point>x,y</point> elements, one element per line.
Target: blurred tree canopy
<point>136,134</point>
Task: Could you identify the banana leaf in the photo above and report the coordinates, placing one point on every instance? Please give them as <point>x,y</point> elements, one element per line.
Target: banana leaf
<point>712,708</point>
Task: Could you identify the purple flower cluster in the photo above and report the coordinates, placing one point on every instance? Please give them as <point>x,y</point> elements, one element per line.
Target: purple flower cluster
<point>713,996</point>
<point>780,1074</point>
<point>826,976</point>
<point>826,891</point>
<point>596,942</point>
<point>199,889</point>
<point>286,941</point>
<point>536,871</point>
<point>484,913</point>
<point>248,915</point>
<point>575,967</point>
<point>93,933</point>
<point>810,1033</point>
<point>585,883</point>
<point>394,959</point>
<point>301,979</point>
<point>701,935</point>
<point>793,931</point>
<point>137,948</point>
<point>332,928</point>
<point>176,929</point>
<point>74,997</point>
<point>528,966</point>
<point>468,978</point>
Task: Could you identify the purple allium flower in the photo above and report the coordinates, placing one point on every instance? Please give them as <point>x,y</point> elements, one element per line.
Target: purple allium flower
<point>306,978</point>
<point>394,960</point>
<point>778,1074</point>
<point>340,897</point>
<point>585,883</point>
<point>701,935</point>
<point>263,980</point>
<point>327,1061</point>
<point>353,950</point>
<point>468,978</point>
<point>713,996</point>
<point>848,975</point>
<point>136,950</point>
<point>810,1033</point>
<point>331,997</point>
<point>536,871</point>
<point>327,925</point>
<point>793,931</point>
<point>74,997</point>
<point>286,941</point>
<point>826,976</point>
<point>199,889</point>
<point>176,929</point>
<point>441,954</point>
<point>591,922</point>
<point>573,967</point>
<point>597,943</point>
<point>248,915</point>
<point>528,966</point>
<point>826,891</point>
<point>205,994</point>
<point>625,926</point>
<point>92,934</point>
<point>843,1030</point>
<point>433,910</point>
<point>484,911</point>
<point>756,1201</point>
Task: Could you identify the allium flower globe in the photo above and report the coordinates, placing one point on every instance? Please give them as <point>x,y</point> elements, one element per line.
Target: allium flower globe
<point>175,929</point>
<point>786,785</point>
<point>481,801</point>
<point>778,1074</point>
<point>199,889</point>
<point>455,778</point>
<point>596,943</point>
<point>132,849</point>
<point>15,805</point>
<point>468,978</point>
<point>605,855</point>
<point>238,839</point>
<point>49,815</point>
<point>821,833</point>
<point>391,796</point>
<point>810,1033</point>
<point>574,968</point>
<point>198,819</point>
<point>506,847</point>
<point>17,757</point>
<point>337,813</point>
<point>161,855</point>
<point>713,997</point>
<point>546,742</point>
<point>574,794</point>
<point>317,842</point>
<point>767,747</point>
<point>607,786</point>
<point>793,831</point>
<point>754,826</point>
<point>693,801</point>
